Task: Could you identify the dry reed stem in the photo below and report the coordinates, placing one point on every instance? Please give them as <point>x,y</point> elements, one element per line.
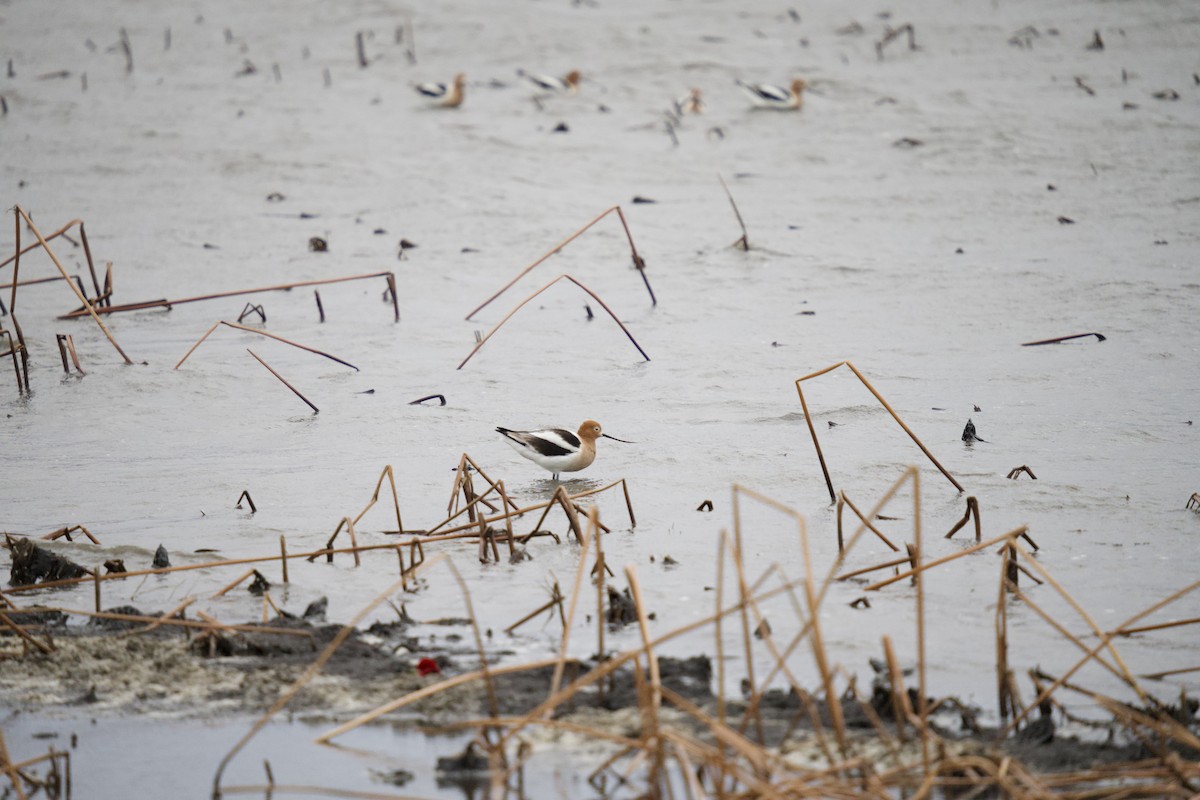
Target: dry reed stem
<point>744,616</point>
<point>284,381</point>
<point>555,600</point>
<point>67,531</point>
<point>19,251</point>
<point>166,615</point>
<point>429,691</point>
<point>261,333</point>
<point>522,304</point>
<point>972,511</point>
<point>488,680</point>
<point>391,476</point>
<point>24,635</point>
<point>743,242</point>
<point>585,542</point>
<point>814,627</point>
<point>179,623</point>
<point>937,562</point>
<point>1093,652</point>
<point>1099,338</point>
<point>649,709</point>
<point>304,678</point>
<point>280,287</point>
<point>1128,675</point>
<point>224,591</point>
<point>286,789</point>
<point>843,499</point>
<point>86,303</point>
<point>884,403</point>
<point>534,507</point>
<point>10,769</point>
<point>638,263</point>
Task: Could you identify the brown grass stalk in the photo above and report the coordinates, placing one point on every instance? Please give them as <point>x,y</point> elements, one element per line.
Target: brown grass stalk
<point>842,498</point>
<point>218,295</point>
<point>887,407</point>
<point>522,304</point>
<point>744,241</point>
<point>638,263</point>
<point>14,774</point>
<point>284,381</point>
<point>937,562</point>
<point>24,635</point>
<point>390,474</point>
<point>261,333</point>
<point>86,303</point>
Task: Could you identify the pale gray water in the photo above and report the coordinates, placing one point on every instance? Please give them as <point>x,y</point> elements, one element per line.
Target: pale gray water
<point>181,153</point>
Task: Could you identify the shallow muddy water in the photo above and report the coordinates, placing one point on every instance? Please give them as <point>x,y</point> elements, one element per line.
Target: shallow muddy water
<point>908,220</point>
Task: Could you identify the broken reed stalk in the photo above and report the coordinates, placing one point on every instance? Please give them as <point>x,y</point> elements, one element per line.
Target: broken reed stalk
<point>488,680</point>
<point>813,601</point>
<point>842,499</point>
<point>1011,536</point>
<point>972,511</point>
<point>179,623</point>
<point>86,303</point>
<point>650,709</point>
<point>11,770</point>
<point>637,260</point>
<point>283,556</point>
<point>1091,653</point>
<point>744,242</point>
<point>232,585</point>
<point>522,304</point>
<point>896,33</point>
<point>390,276</point>
<point>432,536</point>
<point>1100,337</point>
<point>284,381</point>
<point>67,531</point>
<point>7,622</point>
<point>246,494</point>
<point>592,533</point>
<point>388,473</point>
<point>308,674</point>
<point>884,403</point>
<point>162,618</point>
<point>20,251</point>
<point>236,326</point>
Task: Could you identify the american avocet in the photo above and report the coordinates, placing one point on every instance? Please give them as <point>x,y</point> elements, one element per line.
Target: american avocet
<point>557,449</point>
<point>446,95</point>
<point>569,83</point>
<point>690,103</point>
<point>765,95</point>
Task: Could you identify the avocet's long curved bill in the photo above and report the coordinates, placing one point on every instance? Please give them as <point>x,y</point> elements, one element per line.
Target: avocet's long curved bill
<point>615,439</point>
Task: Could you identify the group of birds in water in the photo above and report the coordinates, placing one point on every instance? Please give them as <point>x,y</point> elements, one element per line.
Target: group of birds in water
<point>559,450</point>
<point>761,95</point>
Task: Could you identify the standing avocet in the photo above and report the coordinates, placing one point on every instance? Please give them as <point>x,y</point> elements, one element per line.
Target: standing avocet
<point>557,449</point>
<point>568,84</point>
<point>764,95</point>
<point>445,95</point>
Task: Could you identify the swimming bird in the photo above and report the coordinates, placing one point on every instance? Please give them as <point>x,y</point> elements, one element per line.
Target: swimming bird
<point>968,434</point>
<point>446,95</point>
<point>557,449</point>
<point>690,103</point>
<point>568,84</point>
<point>764,95</point>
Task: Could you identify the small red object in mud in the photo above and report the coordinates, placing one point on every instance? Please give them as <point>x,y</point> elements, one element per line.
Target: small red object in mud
<point>427,666</point>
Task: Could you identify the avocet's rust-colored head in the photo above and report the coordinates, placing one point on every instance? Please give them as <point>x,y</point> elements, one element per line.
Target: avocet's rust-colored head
<point>572,79</point>
<point>798,86</point>
<point>590,430</point>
